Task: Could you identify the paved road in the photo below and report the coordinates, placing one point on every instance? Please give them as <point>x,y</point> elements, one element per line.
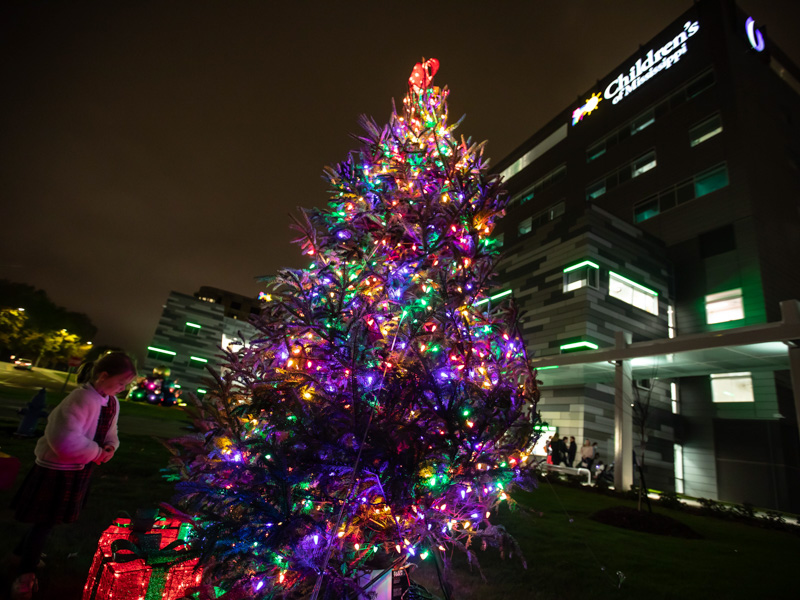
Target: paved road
<point>35,379</point>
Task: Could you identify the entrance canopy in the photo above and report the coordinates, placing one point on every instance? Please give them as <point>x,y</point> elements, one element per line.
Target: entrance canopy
<point>754,348</point>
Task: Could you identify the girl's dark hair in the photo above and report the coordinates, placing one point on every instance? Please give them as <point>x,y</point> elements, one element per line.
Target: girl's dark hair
<point>113,363</point>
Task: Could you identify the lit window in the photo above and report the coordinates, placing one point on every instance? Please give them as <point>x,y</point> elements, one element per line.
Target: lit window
<point>576,346</point>
<point>556,210</point>
<point>724,306</point>
<point>732,387</point>
<point>643,164</point>
<point>646,209</point>
<point>631,292</point>
<point>596,151</point>
<point>642,121</point>
<point>705,130</point>
<point>191,328</point>
<point>160,354</point>
<point>710,181</point>
<point>525,226</point>
<point>581,275</point>
<point>197,362</point>
<point>596,190</point>
<point>678,456</point>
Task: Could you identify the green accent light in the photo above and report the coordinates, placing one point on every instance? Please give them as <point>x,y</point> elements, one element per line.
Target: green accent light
<point>579,345</point>
<point>546,368</point>
<point>634,284</point>
<point>586,263</point>
<point>495,297</point>
<point>161,350</point>
<point>195,325</point>
<point>201,391</point>
<point>198,359</point>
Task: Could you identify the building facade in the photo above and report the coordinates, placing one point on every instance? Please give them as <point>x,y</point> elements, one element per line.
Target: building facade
<point>666,202</point>
<point>193,331</point>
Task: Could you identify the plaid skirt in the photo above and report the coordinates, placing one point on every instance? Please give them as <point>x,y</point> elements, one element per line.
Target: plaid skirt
<point>51,496</point>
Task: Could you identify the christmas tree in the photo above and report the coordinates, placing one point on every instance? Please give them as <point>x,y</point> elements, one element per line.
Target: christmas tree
<point>383,413</point>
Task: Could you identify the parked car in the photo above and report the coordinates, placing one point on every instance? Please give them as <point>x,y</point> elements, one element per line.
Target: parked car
<point>23,363</point>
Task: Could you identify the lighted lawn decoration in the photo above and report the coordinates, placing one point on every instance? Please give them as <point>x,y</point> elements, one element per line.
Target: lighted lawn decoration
<point>156,388</point>
<point>382,414</point>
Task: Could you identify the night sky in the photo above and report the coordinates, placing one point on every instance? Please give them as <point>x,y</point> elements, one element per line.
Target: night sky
<point>155,146</point>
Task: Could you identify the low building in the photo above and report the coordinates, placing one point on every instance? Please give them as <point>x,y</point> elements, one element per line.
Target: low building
<point>193,330</point>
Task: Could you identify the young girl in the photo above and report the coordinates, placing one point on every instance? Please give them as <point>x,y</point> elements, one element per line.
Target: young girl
<point>81,432</point>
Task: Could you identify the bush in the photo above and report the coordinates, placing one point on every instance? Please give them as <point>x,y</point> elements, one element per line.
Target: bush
<point>670,500</point>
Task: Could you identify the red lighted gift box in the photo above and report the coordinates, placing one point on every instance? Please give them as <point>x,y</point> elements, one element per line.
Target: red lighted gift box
<point>132,564</point>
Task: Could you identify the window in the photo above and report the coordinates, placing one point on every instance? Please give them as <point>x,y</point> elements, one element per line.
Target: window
<point>732,387</point>
<point>643,164</point>
<point>236,305</point>
<point>646,209</point>
<point>535,152</point>
<point>542,184</point>
<point>724,306</point>
<point>500,239</point>
<point>576,346</point>
<point>525,226</point>
<point>160,354</point>
<point>595,190</point>
<point>711,180</point>
<point>700,84</point>
<point>643,121</point>
<point>705,130</point>
<point>191,328</point>
<point>581,275</point>
<point>631,292</point>
<point>197,362</point>
<point>627,171</point>
<point>595,151</point>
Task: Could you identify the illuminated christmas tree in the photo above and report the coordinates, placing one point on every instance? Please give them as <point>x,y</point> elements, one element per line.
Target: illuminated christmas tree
<point>384,411</point>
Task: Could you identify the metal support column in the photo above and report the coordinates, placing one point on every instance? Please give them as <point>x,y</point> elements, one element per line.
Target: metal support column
<point>623,418</point>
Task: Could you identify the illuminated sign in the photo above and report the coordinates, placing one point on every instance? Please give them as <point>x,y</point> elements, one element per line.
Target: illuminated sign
<point>651,65</point>
<point>582,111</point>
<point>645,68</point>
<point>754,35</point>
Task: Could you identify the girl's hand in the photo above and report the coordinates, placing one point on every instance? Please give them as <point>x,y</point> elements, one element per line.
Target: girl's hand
<point>107,455</point>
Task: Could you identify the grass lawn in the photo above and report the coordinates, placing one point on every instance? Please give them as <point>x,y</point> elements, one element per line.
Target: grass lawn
<point>131,480</point>
<point>569,555</point>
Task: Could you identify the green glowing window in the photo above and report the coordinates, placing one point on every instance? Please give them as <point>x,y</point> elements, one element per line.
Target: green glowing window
<point>577,346</point>
<point>724,306</point>
<point>643,164</point>
<point>628,291</point>
<point>595,151</point>
<point>494,297</point>
<point>595,190</point>
<point>191,328</point>
<point>160,354</point>
<point>711,180</point>
<point>705,130</point>
<point>583,274</point>
<point>646,209</point>
<point>732,387</point>
<point>525,226</point>
<point>643,121</point>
